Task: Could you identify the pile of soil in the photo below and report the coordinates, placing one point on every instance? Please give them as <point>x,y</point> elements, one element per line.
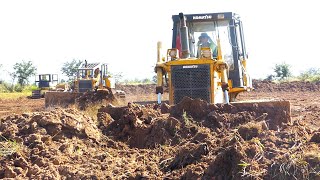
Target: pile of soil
<point>137,89</point>
<point>20,105</point>
<point>191,140</point>
<point>258,85</point>
<point>294,86</point>
<point>95,97</point>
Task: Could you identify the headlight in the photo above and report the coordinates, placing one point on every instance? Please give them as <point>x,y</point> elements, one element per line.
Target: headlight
<point>173,53</point>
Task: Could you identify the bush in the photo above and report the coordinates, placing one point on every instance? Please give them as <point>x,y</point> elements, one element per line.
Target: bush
<point>6,87</point>
<point>30,88</point>
<point>311,74</point>
<point>17,88</point>
<point>282,70</point>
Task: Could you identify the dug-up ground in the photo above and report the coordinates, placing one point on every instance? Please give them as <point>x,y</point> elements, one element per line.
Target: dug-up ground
<point>192,140</point>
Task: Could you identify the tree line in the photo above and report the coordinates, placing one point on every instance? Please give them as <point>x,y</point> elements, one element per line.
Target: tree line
<point>282,72</point>
<point>22,71</point>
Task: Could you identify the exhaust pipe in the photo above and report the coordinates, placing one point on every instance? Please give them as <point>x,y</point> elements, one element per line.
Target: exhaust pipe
<point>184,37</point>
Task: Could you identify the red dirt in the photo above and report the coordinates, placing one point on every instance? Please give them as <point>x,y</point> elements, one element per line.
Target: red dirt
<point>20,105</point>
<point>192,140</point>
<point>89,98</point>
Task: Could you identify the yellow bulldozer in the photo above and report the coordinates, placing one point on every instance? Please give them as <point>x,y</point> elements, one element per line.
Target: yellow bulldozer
<point>207,60</point>
<point>91,77</point>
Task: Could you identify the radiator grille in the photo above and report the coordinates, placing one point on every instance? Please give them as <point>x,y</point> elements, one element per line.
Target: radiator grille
<point>192,81</point>
<point>85,85</point>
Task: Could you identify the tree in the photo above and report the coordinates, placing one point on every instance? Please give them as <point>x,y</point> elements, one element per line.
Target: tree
<point>312,74</point>
<point>23,71</point>
<point>146,81</point>
<point>70,68</point>
<point>282,70</point>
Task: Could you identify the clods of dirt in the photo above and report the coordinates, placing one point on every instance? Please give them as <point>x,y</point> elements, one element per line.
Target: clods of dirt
<point>95,97</point>
<point>192,140</point>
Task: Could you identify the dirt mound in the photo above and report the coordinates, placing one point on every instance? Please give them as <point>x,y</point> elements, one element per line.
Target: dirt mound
<point>138,89</point>
<point>294,86</point>
<point>58,123</point>
<point>259,85</point>
<point>20,105</point>
<point>34,145</point>
<point>219,115</point>
<point>213,141</point>
<point>94,97</point>
<point>192,140</point>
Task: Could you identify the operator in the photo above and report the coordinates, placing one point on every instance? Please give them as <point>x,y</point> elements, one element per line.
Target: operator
<point>96,76</point>
<point>206,41</point>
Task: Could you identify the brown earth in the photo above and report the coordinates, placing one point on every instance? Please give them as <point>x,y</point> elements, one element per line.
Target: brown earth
<point>192,140</point>
<point>20,105</point>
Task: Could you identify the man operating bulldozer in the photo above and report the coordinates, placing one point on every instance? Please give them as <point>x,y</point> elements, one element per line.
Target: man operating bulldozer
<point>206,41</point>
<point>96,77</point>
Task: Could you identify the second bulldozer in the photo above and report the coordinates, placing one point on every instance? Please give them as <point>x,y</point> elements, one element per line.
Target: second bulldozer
<point>91,78</point>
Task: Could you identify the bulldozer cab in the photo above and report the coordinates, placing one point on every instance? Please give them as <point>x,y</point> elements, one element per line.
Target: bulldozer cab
<point>93,76</point>
<point>86,70</point>
<point>44,82</point>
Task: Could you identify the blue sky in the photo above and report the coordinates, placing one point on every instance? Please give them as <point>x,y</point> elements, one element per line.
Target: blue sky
<point>125,33</point>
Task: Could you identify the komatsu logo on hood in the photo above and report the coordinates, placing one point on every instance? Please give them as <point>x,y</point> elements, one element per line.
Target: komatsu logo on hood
<point>190,66</point>
<point>202,17</point>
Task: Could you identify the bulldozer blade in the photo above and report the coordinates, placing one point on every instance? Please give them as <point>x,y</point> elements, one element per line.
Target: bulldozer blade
<point>81,100</point>
<point>63,99</point>
<point>278,111</point>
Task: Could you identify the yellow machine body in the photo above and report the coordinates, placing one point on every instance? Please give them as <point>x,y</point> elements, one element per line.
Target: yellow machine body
<point>215,84</point>
<point>92,76</point>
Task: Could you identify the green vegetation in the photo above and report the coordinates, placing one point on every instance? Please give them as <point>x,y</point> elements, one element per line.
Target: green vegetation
<point>8,91</point>
<point>9,88</point>
<point>70,69</point>
<point>13,95</point>
<point>137,81</point>
<point>282,72</point>
<point>311,74</point>
<point>23,71</point>
<point>9,147</point>
<point>186,119</point>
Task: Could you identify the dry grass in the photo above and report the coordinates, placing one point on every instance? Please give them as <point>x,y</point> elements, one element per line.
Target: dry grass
<point>145,97</point>
<point>15,95</point>
<point>9,147</point>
